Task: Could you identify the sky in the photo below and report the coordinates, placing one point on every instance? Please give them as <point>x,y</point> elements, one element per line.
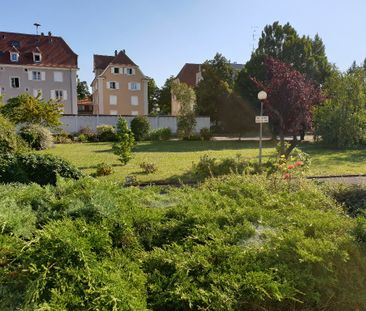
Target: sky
<point>162,35</point>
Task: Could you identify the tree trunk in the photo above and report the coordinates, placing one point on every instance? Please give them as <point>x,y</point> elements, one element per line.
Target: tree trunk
<point>291,147</point>
<point>282,144</point>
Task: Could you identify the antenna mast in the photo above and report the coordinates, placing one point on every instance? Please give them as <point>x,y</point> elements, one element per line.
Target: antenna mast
<point>254,37</point>
<point>37,25</point>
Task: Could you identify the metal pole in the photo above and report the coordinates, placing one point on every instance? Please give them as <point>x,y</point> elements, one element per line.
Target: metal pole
<point>260,137</point>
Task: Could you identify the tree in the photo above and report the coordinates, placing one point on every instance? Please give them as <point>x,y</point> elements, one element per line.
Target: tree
<point>165,96</point>
<point>82,90</point>
<point>214,89</point>
<point>341,119</point>
<point>140,127</point>
<point>290,102</point>
<point>27,109</point>
<point>152,94</point>
<point>125,141</point>
<point>186,97</point>
<point>283,43</point>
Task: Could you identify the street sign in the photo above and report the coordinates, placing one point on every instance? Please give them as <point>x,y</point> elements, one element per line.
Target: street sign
<point>261,119</point>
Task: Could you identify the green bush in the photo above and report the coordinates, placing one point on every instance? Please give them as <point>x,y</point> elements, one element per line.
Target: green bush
<point>89,133</point>
<point>37,136</point>
<point>160,134</point>
<point>185,125</point>
<point>42,169</point>
<point>205,134</point>
<point>106,132</point>
<point>82,138</point>
<point>140,127</point>
<point>62,137</point>
<point>148,167</point>
<point>103,169</point>
<point>9,141</point>
<point>125,141</point>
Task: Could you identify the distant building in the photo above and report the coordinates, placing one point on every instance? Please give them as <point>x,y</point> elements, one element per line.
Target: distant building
<point>85,106</point>
<point>38,64</point>
<point>191,74</point>
<point>119,86</point>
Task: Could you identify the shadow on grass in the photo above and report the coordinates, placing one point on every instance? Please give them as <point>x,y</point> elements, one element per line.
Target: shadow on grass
<point>95,166</point>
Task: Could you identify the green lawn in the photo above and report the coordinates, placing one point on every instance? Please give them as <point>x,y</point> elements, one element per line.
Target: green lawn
<point>175,158</point>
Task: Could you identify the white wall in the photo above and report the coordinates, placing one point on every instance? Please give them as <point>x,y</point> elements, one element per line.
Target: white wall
<point>73,123</point>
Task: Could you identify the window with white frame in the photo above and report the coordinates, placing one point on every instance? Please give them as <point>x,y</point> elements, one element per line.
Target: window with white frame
<point>134,86</point>
<point>113,85</point>
<point>134,113</point>
<point>14,82</point>
<point>37,57</point>
<point>113,112</point>
<point>115,70</point>
<point>36,75</point>
<point>130,71</point>
<point>58,76</point>
<point>113,100</point>
<point>59,94</point>
<point>14,57</point>
<point>134,100</point>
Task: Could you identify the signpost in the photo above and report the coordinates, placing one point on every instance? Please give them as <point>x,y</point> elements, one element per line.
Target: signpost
<point>262,95</point>
<point>261,119</point>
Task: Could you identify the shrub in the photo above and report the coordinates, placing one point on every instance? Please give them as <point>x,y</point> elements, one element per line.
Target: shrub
<point>186,124</point>
<point>42,169</point>
<point>125,141</point>
<point>37,136</point>
<point>106,132</point>
<point>161,134</point>
<point>140,127</point>
<point>148,167</point>
<point>103,169</point>
<point>205,134</point>
<point>63,137</point>
<point>9,141</point>
<point>82,138</point>
<point>89,133</point>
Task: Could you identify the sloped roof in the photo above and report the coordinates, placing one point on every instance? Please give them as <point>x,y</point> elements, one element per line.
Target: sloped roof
<point>55,51</point>
<point>188,74</point>
<point>102,61</point>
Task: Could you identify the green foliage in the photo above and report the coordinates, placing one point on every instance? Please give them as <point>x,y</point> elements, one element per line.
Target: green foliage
<point>341,119</point>
<point>82,90</point>
<point>148,167</point>
<point>140,127</point>
<point>32,110</point>
<point>104,169</point>
<point>82,138</point>
<point>160,134</point>
<point>186,124</point>
<point>36,136</point>
<point>165,97</point>
<point>205,134</point>
<point>62,137</point>
<point>106,132</point>
<point>89,133</point>
<point>153,94</point>
<point>239,243</point>
<point>9,141</point>
<point>125,141</point>
<point>37,168</point>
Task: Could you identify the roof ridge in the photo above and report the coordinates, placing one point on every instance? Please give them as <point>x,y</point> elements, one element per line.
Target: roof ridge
<point>28,34</point>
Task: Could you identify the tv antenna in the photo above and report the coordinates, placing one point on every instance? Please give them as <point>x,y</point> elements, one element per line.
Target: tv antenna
<point>37,25</point>
<point>254,36</point>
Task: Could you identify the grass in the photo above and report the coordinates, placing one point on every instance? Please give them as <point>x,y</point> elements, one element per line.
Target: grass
<point>174,158</point>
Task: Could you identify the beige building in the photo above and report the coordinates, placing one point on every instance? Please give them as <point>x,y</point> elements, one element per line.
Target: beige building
<point>119,86</point>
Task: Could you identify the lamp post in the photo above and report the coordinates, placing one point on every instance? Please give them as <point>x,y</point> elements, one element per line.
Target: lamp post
<point>262,95</point>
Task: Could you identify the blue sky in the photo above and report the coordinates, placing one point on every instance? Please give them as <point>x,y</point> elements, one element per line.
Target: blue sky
<point>162,35</point>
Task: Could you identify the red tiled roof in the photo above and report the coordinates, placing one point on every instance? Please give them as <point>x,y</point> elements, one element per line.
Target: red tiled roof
<point>55,52</point>
<point>102,61</point>
<point>188,74</point>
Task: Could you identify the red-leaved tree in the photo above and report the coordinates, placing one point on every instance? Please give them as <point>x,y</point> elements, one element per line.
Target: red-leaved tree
<point>290,102</point>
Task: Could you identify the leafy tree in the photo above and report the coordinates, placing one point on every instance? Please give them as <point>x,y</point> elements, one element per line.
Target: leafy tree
<point>283,43</point>
<point>290,102</point>
<point>214,89</point>
<point>9,141</point>
<point>341,119</point>
<point>153,93</point>
<point>186,97</point>
<point>27,109</point>
<point>140,127</point>
<point>165,96</point>
<point>82,89</point>
<point>125,141</point>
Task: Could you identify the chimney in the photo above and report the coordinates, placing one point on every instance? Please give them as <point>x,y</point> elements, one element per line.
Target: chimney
<point>115,52</point>
<point>124,51</point>
<point>42,34</point>
<point>3,37</point>
<point>49,33</point>
<point>49,37</point>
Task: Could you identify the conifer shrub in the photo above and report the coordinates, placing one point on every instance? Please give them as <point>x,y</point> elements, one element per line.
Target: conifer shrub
<point>140,127</point>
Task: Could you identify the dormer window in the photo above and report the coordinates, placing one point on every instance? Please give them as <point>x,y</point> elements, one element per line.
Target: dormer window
<point>37,57</point>
<point>14,57</point>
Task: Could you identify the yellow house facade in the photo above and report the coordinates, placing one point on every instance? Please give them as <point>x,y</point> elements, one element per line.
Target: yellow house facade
<point>119,86</point>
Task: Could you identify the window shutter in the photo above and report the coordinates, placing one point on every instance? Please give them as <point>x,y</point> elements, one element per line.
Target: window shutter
<point>107,84</point>
<point>125,69</point>
<point>138,86</point>
<point>112,69</point>
<point>53,95</point>
<point>43,75</point>
<point>30,77</point>
<point>133,71</point>
<point>64,94</point>
<point>117,85</point>
<point>121,71</point>
<point>129,85</point>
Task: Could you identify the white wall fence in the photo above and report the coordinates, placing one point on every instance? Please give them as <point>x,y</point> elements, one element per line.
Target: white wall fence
<point>73,123</point>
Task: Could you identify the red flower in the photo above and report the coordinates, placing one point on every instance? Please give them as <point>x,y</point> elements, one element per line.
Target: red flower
<point>299,163</point>
<point>290,167</point>
<point>286,176</point>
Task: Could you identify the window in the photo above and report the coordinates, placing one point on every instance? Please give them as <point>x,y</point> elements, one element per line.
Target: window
<point>130,71</point>
<point>14,57</point>
<point>115,70</point>
<point>113,85</point>
<point>134,86</point>
<point>114,112</point>
<point>36,75</point>
<point>134,100</point>
<point>113,100</point>
<point>59,94</point>
<point>37,57</point>
<point>14,82</point>
<point>57,76</point>
<point>134,113</point>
